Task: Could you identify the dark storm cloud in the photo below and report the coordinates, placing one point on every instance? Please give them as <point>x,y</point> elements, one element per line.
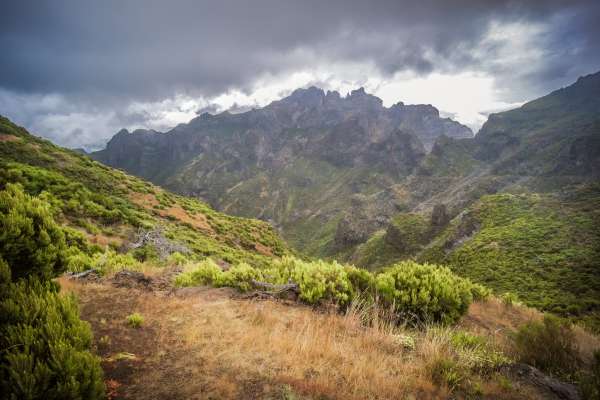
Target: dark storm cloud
<point>71,69</point>
<point>149,49</point>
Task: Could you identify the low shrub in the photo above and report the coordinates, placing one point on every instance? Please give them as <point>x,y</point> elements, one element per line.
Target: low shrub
<point>480,292</point>
<point>445,371</point>
<point>549,345</point>
<point>509,299</point>
<point>413,291</point>
<point>111,261</point>
<point>206,272</point>
<point>424,292</point>
<point>318,281</point>
<point>135,320</point>
<point>45,346</point>
<point>239,276</point>
<point>31,242</point>
<point>476,353</point>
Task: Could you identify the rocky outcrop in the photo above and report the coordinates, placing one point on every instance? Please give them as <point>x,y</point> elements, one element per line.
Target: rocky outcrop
<point>300,157</point>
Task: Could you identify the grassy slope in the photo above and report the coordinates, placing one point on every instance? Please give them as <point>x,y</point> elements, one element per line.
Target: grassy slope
<point>545,248</point>
<point>109,206</point>
<point>300,196</point>
<point>204,343</point>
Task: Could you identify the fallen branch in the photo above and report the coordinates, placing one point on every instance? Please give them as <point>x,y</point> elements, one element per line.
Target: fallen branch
<point>83,274</point>
<point>156,237</point>
<point>265,290</point>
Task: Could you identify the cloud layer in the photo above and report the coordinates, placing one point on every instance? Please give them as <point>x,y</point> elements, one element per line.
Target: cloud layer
<point>77,71</point>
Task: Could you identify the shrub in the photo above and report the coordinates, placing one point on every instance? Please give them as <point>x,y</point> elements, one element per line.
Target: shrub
<point>30,240</point>
<point>548,345</point>
<point>362,281</point>
<point>445,371</point>
<point>509,299</point>
<point>476,353</point>
<point>111,261</point>
<point>135,320</point>
<point>424,292</point>
<point>480,292</point>
<point>318,281</point>
<point>239,276</point>
<point>176,258</point>
<point>45,346</point>
<point>145,253</point>
<point>206,272</point>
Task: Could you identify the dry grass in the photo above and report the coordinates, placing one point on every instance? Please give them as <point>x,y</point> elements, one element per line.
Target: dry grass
<point>9,138</point>
<point>150,202</point>
<point>204,343</point>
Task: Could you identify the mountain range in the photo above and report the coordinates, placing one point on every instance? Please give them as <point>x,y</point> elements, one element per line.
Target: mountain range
<point>303,162</point>
<point>350,179</point>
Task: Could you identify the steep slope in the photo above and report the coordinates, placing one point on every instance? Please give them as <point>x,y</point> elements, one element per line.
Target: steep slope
<point>102,208</point>
<point>296,162</point>
<point>538,237</point>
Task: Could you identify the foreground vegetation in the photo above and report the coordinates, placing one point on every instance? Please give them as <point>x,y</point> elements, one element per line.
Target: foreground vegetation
<point>543,248</point>
<point>45,347</point>
<point>402,330</point>
<point>415,292</point>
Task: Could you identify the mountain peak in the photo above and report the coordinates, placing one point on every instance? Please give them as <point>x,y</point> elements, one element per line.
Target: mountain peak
<point>311,96</point>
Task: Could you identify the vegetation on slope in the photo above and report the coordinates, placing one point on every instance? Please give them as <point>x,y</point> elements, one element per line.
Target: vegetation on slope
<point>415,292</point>
<point>102,209</point>
<point>44,346</point>
<point>544,248</point>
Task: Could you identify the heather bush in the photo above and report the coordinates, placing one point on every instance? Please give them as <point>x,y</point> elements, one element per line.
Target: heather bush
<point>135,320</point>
<point>31,242</point>
<point>318,281</point>
<point>424,292</point>
<point>111,261</point>
<point>206,272</point>
<point>240,277</point>
<point>45,346</point>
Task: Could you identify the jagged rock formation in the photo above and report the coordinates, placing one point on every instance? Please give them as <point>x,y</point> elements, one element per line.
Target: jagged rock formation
<point>296,162</point>
<point>331,171</point>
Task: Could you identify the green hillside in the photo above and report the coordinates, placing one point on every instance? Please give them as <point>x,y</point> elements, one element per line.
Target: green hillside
<point>104,209</point>
<point>545,248</point>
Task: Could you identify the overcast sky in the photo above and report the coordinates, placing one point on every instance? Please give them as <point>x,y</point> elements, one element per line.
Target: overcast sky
<point>78,71</point>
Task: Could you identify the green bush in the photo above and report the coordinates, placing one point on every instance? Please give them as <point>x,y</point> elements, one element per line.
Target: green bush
<point>476,353</point>
<point>318,281</point>
<point>240,276</point>
<point>206,272</point>
<point>424,292</point>
<point>548,345</point>
<point>45,346</point>
<point>30,240</point>
<point>111,261</point>
<point>480,292</point>
<point>509,299</point>
<point>445,371</point>
<point>362,281</point>
<point>135,320</point>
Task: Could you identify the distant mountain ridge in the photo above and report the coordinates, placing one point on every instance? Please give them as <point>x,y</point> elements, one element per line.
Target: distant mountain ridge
<point>298,159</point>
<point>330,171</point>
